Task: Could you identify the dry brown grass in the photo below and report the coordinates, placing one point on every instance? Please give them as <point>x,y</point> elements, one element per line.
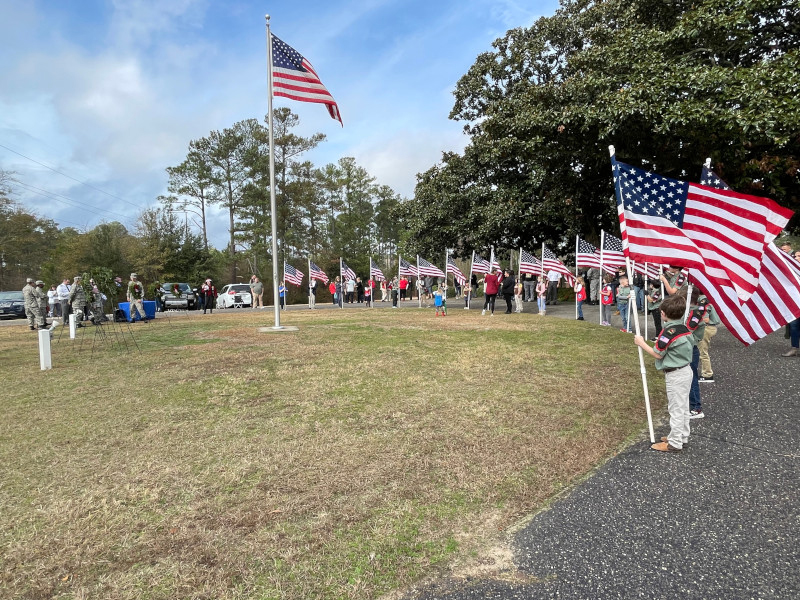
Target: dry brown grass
<point>346,460</point>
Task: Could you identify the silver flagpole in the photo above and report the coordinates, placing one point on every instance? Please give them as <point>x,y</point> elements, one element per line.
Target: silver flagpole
<point>469,281</point>
<point>341,284</point>
<point>273,209</point>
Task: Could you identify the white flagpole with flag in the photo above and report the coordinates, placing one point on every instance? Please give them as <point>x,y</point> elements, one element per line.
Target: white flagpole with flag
<point>419,289</point>
<point>576,275</point>
<point>273,209</point>
<point>469,281</point>
<point>642,368</point>
<point>602,276</point>
<point>341,284</point>
<point>309,282</point>
<point>646,294</point>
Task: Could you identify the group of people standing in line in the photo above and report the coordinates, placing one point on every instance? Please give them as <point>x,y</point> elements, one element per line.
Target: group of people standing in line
<point>86,302</point>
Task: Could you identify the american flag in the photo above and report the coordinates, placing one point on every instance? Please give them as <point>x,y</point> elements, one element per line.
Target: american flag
<point>292,275</point>
<point>294,77</point>
<point>587,255</point>
<point>647,269</point>
<point>316,273</point>
<point>479,265</point>
<point>347,272</point>
<point>551,263</point>
<point>375,272</point>
<point>613,256</point>
<point>426,268</point>
<point>775,302</point>
<point>528,263</point>
<point>453,268</point>
<point>407,269</point>
<point>720,232</point>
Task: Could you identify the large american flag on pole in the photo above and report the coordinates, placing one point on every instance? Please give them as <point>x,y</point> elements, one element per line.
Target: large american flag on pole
<point>457,274</point>
<point>720,232</point>
<point>347,272</point>
<point>479,264</point>
<point>528,263</point>
<point>775,302</point>
<point>294,77</point>
<point>587,255</point>
<point>375,272</point>
<point>291,274</point>
<point>316,273</point>
<point>550,262</point>
<point>426,268</point>
<point>407,269</point>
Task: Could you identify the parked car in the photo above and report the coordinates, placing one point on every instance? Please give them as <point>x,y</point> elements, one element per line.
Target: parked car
<point>186,300</point>
<point>234,295</point>
<point>12,305</point>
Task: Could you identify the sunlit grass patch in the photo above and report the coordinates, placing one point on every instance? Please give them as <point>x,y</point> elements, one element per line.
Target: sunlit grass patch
<point>344,460</point>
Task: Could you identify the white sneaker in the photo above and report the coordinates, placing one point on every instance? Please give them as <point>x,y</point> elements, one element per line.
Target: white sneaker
<point>483,312</point>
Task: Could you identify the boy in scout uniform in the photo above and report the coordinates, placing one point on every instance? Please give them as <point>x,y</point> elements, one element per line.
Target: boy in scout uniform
<point>673,353</point>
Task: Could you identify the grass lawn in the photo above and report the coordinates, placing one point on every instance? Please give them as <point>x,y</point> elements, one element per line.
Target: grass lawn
<point>346,460</point>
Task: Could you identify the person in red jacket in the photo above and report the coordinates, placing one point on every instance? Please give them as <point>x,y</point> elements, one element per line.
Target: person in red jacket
<point>492,283</point>
<point>403,287</point>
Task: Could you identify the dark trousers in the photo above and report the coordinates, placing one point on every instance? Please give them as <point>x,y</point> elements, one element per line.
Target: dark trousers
<point>694,391</point>
<point>508,298</point>
<point>657,320</point>
<point>489,302</point>
<point>394,297</point>
<point>552,292</point>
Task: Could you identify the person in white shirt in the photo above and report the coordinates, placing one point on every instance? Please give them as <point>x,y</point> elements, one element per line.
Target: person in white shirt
<point>52,302</point>
<point>553,279</point>
<point>63,298</point>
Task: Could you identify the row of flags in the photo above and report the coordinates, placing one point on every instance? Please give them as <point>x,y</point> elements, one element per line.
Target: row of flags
<point>722,237</point>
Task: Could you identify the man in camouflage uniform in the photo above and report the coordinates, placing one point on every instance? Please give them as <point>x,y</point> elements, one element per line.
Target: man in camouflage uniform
<point>135,297</point>
<point>30,303</point>
<point>41,305</point>
<point>96,297</point>
<point>77,299</point>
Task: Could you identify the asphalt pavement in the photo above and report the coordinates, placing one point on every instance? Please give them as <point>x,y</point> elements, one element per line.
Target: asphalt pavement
<point>719,520</point>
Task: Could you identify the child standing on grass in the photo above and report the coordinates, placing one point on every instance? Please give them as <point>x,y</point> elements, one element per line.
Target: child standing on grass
<point>438,302</point>
<point>673,354</point>
<point>580,296</point>
<point>606,299</point>
<point>541,295</point>
<point>518,297</point>
<point>623,296</point>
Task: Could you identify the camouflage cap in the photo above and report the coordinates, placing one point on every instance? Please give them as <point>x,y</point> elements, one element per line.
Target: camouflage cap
<point>29,280</point>
<point>39,282</point>
<point>133,275</point>
<point>78,278</point>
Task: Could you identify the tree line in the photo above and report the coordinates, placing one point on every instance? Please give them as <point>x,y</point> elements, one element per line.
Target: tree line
<point>322,213</point>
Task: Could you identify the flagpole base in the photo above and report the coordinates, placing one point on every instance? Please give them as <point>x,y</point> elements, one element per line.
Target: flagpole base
<point>278,329</point>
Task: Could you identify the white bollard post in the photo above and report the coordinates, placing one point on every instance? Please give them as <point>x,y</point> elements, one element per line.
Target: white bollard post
<point>45,359</point>
<point>72,326</point>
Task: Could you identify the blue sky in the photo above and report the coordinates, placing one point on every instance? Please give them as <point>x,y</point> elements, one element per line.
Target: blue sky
<point>111,92</point>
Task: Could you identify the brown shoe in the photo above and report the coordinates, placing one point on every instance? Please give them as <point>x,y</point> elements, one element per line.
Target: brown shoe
<point>664,447</point>
<point>664,439</point>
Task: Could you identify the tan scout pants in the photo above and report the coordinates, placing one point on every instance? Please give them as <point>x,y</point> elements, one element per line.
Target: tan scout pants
<point>705,343</point>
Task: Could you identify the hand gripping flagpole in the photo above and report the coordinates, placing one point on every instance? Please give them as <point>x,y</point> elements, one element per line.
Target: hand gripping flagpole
<point>273,209</point>
<point>642,368</point>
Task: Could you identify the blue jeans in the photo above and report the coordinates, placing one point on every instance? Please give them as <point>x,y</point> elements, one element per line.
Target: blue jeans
<point>694,392</point>
<point>639,298</point>
<point>580,309</point>
<point>794,333</point>
<point>623,312</point>
<point>542,301</point>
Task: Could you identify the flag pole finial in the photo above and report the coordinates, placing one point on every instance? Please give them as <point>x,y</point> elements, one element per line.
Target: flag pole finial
<point>611,151</point>
<point>267,18</point>
<point>708,163</point>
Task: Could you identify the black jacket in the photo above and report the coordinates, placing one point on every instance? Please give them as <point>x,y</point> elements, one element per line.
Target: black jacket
<point>507,287</point>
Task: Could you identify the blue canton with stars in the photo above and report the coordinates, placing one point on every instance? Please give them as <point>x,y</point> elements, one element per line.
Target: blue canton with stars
<point>644,193</point>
